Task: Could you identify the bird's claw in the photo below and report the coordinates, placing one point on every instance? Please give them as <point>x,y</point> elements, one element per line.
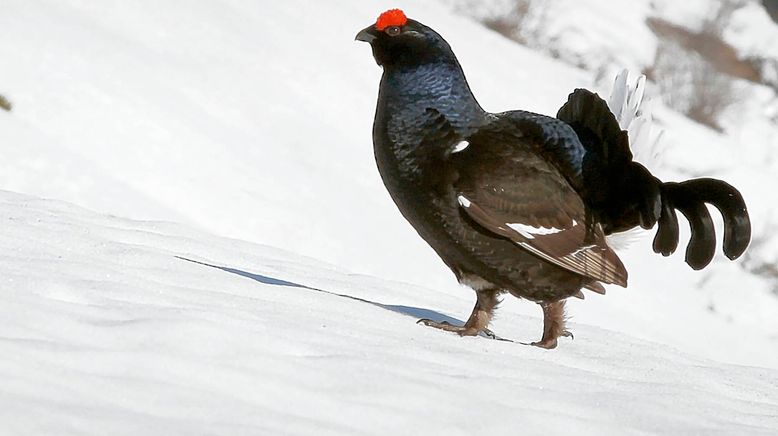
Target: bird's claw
<point>490,334</point>
<point>461,330</point>
<point>551,343</point>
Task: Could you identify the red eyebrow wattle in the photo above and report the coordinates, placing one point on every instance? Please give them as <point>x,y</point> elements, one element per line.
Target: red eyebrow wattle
<point>392,17</point>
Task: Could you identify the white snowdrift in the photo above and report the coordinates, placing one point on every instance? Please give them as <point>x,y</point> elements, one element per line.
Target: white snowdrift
<point>120,327</point>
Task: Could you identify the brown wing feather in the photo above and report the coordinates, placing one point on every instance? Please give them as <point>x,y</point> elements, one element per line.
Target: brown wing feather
<point>514,193</point>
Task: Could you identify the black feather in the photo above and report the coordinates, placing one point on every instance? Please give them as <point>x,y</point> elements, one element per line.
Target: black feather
<point>625,194</point>
<point>667,235</point>
<point>730,203</point>
<point>702,244</point>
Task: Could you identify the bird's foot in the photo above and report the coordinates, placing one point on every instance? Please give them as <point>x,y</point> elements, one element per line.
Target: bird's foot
<point>548,344</point>
<point>551,343</point>
<point>479,318</point>
<point>461,330</point>
<point>553,325</point>
<point>447,326</point>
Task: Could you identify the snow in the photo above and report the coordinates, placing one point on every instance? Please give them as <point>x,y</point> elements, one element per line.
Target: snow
<point>252,121</point>
<point>594,34</point>
<point>752,32</point>
<point>131,327</point>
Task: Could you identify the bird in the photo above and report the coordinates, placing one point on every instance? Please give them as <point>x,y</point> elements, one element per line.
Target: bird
<point>517,202</point>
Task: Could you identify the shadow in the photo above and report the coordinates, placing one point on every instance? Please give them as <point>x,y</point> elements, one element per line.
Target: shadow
<point>411,311</point>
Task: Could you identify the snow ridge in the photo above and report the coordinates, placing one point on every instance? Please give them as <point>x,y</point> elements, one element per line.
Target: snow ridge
<point>132,327</point>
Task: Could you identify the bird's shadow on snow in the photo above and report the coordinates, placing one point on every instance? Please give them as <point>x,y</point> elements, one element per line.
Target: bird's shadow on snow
<point>414,312</point>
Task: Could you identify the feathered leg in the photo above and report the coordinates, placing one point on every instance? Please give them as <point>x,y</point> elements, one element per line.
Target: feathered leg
<point>553,324</point>
<point>479,320</point>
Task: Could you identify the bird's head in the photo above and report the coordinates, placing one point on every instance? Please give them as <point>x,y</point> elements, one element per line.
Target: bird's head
<point>400,41</point>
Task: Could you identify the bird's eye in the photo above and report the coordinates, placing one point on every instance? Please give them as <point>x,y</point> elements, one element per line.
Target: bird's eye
<point>392,30</point>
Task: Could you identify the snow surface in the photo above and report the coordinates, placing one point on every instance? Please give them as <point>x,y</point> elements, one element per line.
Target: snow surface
<point>252,120</point>
<point>113,326</point>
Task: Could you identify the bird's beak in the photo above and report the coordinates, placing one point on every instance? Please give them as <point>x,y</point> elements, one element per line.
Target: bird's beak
<point>367,34</point>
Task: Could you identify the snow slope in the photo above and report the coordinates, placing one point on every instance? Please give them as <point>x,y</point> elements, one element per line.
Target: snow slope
<point>113,326</point>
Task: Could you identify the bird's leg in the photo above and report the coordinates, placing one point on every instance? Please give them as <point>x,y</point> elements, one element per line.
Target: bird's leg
<point>479,320</point>
<point>553,324</point>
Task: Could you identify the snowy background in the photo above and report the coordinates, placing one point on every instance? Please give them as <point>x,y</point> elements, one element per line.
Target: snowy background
<point>196,239</point>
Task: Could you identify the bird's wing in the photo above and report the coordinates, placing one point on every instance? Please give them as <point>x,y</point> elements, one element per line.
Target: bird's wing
<point>556,140</point>
<point>510,190</point>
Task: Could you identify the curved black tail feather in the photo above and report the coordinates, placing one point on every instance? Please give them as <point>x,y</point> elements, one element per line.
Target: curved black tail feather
<point>702,244</point>
<point>690,198</point>
<point>668,234</point>
<point>626,195</point>
<point>648,190</point>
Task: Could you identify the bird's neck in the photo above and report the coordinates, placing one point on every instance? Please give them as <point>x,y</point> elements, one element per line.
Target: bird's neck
<point>407,91</point>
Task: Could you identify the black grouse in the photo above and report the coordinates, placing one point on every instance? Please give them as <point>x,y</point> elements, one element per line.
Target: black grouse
<point>519,202</point>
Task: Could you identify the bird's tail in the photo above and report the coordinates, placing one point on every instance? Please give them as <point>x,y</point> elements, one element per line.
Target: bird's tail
<point>625,194</point>
<point>690,198</point>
